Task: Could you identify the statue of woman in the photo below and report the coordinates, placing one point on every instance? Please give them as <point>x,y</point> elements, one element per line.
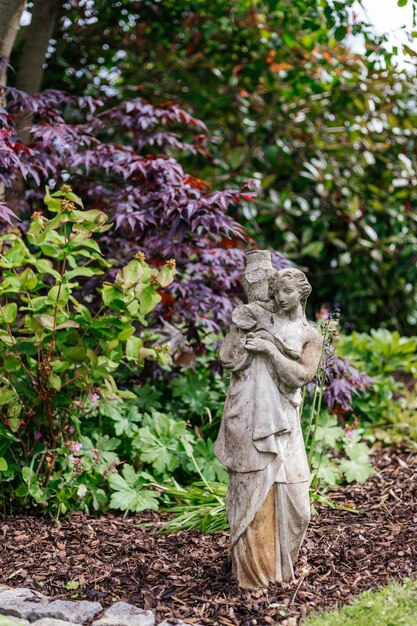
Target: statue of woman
<point>272,351</point>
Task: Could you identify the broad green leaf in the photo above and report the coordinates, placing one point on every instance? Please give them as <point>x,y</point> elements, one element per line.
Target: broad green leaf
<point>112,297</point>
<point>67,324</point>
<point>134,501</point>
<point>59,294</point>
<point>166,276</point>
<point>158,442</point>
<point>130,275</point>
<point>11,363</point>
<point>340,33</point>
<point>129,494</point>
<point>3,464</point>
<point>93,216</point>
<point>82,271</point>
<point>356,471</point>
<point>55,381</point>
<point>6,395</point>
<point>28,279</point>
<point>44,266</point>
<point>148,299</point>
<point>133,345</point>
<point>45,320</point>
<point>14,424</point>
<point>53,203</point>
<point>126,333</point>
<point>8,313</point>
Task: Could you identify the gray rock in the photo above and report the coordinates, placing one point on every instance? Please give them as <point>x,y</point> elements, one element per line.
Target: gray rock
<point>49,621</point>
<point>6,620</point>
<point>21,603</point>
<point>123,614</point>
<point>78,611</point>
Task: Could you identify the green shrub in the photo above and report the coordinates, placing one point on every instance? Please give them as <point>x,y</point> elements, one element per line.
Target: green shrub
<point>388,408</point>
<point>61,345</point>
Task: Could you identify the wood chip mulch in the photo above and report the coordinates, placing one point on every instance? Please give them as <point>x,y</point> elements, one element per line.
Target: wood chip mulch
<point>187,575</point>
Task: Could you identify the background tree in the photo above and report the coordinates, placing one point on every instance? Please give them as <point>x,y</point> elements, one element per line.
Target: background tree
<point>328,134</point>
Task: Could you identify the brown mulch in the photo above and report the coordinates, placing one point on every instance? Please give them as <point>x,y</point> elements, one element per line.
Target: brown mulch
<point>187,575</point>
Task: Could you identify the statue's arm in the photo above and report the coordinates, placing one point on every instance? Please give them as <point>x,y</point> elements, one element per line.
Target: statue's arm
<point>293,374</point>
<point>233,353</point>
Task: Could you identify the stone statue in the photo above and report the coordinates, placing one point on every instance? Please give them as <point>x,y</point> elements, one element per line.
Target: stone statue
<point>271,351</point>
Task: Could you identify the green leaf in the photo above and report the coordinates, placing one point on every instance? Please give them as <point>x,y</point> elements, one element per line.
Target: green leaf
<point>148,299</point>
<point>288,39</point>
<point>92,216</point>
<point>327,472</point>
<point>3,464</point>
<point>129,494</point>
<point>134,501</point>
<point>67,324</point>
<point>45,320</point>
<point>6,395</point>
<point>14,424</point>
<point>59,294</point>
<point>8,313</point>
<point>166,276</point>
<point>112,297</point>
<point>55,381</point>
<point>82,271</point>
<point>131,275</point>
<point>356,472</point>
<point>11,363</point>
<point>313,249</point>
<point>340,33</point>
<point>126,333</point>
<point>44,266</point>
<point>28,279</point>
<point>133,345</point>
<point>159,442</point>
<point>402,3</point>
<point>53,203</point>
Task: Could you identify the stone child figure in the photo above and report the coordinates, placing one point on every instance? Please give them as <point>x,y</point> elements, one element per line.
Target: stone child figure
<point>272,351</point>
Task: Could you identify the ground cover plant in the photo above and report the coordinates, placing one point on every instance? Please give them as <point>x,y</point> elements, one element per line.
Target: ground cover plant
<point>395,604</point>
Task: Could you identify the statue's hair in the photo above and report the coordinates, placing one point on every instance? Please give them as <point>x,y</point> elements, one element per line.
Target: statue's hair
<point>304,287</point>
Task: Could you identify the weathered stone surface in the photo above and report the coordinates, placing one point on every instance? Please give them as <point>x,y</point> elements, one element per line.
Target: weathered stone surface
<point>272,351</point>
<point>49,621</point>
<point>123,614</point>
<point>21,603</point>
<point>6,620</point>
<point>74,611</point>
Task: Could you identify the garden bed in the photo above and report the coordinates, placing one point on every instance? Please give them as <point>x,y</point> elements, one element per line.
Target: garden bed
<point>187,575</point>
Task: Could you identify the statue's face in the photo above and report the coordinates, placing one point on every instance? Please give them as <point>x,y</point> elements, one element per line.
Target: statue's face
<point>287,297</point>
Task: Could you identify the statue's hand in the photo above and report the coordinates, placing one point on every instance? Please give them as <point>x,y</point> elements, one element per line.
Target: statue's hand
<point>256,344</point>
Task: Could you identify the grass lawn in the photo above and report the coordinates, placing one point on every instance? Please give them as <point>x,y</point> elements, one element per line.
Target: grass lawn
<point>395,605</point>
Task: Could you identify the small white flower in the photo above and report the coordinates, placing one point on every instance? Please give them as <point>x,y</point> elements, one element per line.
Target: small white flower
<point>82,491</point>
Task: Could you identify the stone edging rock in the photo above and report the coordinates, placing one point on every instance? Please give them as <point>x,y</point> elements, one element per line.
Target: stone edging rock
<point>21,607</point>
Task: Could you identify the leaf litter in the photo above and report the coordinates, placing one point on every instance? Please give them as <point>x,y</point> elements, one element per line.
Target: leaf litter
<point>187,575</point>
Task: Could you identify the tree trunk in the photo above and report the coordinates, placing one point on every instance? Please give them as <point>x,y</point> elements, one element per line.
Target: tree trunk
<point>30,73</point>
<point>10,12</point>
<point>37,36</point>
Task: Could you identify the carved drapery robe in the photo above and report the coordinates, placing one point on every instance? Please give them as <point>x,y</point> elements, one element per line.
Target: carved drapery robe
<point>261,444</point>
